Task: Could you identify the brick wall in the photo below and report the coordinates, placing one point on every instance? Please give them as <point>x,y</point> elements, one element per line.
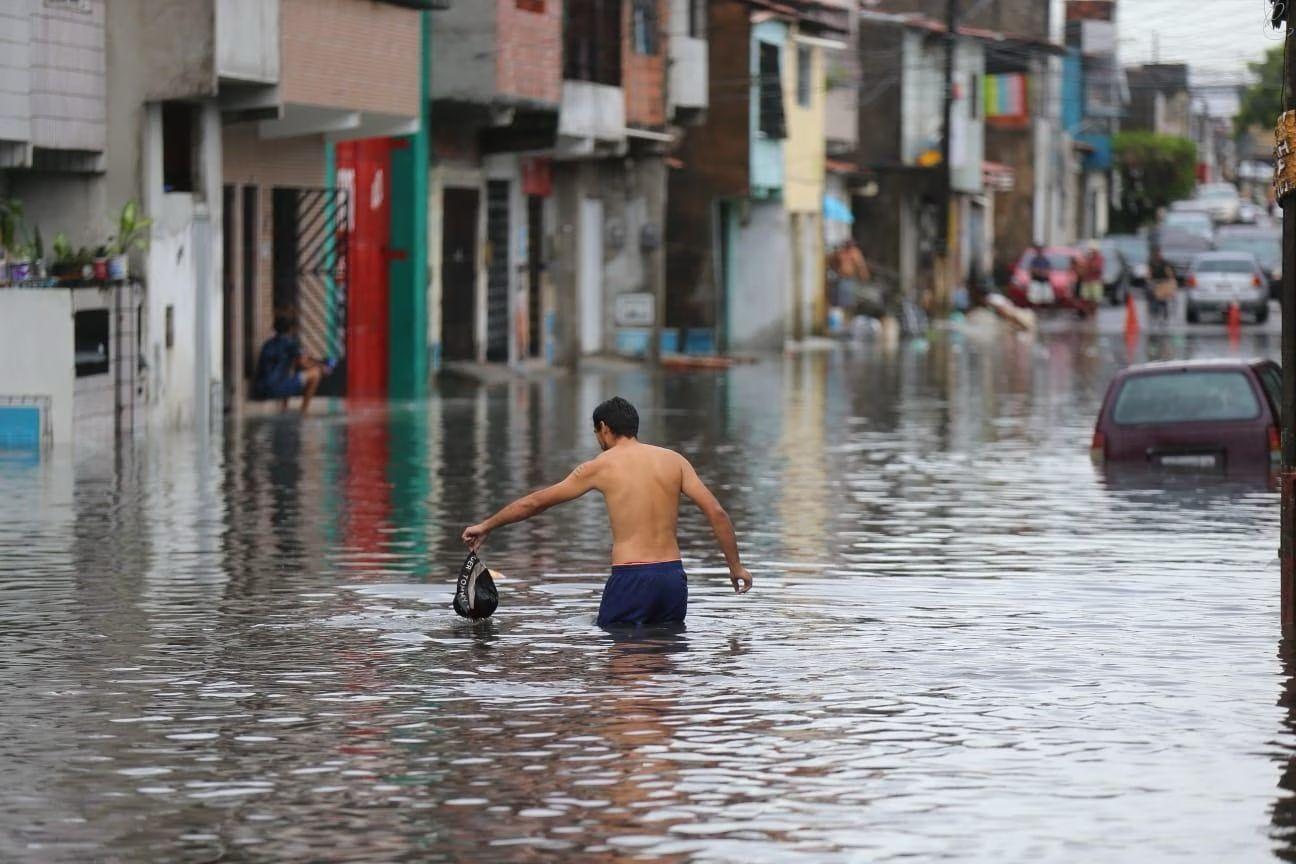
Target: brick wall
<point>528,51</point>
<point>354,54</point>
<point>250,161</point>
<point>643,76</point>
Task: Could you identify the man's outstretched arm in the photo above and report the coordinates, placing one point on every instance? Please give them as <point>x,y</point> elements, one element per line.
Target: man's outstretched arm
<point>575,485</point>
<point>721,526</point>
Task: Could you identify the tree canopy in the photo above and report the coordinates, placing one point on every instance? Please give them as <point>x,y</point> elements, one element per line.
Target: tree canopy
<point>1155,170</point>
<point>1262,101</point>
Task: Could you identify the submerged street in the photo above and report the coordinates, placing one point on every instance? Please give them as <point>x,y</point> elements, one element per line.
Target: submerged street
<point>965,641</point>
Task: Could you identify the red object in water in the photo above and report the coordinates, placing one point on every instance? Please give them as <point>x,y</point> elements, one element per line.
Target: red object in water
<point>1219,415</point>
<point>364,169</point>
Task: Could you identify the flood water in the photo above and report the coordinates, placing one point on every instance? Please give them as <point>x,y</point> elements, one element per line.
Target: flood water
<point>964,642</point>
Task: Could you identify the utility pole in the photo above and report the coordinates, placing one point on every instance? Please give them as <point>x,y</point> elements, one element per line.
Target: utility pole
<point>1287,198</point>
<point>945,269</point>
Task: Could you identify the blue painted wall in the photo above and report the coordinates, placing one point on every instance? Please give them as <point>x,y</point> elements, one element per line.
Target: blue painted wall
<point>766,153</point>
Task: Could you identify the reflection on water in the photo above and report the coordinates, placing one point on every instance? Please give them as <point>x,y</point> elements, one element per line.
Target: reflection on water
<point>964,640</point>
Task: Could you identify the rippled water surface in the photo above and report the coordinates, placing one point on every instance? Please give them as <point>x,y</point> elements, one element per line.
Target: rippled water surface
<point>964,641</point>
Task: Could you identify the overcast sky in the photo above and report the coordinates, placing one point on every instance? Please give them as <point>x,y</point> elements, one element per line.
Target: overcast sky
<point>1215,37</point>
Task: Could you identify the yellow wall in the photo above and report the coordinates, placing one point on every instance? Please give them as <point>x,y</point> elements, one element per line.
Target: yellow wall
<point>803,151</point>
<point>803,188</point>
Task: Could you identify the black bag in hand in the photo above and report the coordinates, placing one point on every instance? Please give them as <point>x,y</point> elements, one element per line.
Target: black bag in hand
<point>475,596</point>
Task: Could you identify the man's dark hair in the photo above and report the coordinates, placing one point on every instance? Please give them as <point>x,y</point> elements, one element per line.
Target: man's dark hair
<point>619,416</point>
<point>282,324</point>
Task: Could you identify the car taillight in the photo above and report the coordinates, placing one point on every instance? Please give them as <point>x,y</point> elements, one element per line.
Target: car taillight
<point>1275,444</point>
<point>1255,280</point>
<point>1098,447</point>
<point>1191,282</point>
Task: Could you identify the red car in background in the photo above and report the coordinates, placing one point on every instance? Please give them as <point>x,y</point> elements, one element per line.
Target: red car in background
<point>1217,415</point>
<point>1062,280</point>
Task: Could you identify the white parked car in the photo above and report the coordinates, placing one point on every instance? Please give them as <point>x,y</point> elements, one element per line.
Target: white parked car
<point>1222,201</point>
<point>1217,280</point>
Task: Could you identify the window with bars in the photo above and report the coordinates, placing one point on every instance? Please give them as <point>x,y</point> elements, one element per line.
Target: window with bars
<point>643,30</point>
<point>592,41</point>
<point>805,69</point>
<point>772,123</point>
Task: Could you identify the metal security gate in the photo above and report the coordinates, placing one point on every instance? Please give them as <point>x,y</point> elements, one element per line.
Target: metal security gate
<point>497,274</point>
<point>311,244</point>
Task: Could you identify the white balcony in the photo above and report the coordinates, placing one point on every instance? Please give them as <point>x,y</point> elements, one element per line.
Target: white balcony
<point>591,117</point>
<point>688,74</point>
<point>247,41</point>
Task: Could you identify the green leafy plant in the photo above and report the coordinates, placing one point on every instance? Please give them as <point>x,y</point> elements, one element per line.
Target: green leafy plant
<point>1155,170</point>
<point>11,224</point>
<point>132,229</point>
<point>1261,102</point>
<point>62,248</point>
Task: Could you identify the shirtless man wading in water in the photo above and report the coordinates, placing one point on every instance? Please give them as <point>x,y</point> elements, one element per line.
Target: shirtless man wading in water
<point>641,485</point>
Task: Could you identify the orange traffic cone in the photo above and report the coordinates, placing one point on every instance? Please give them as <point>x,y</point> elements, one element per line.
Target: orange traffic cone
<point>1131,317</point>
<point>1235,319</point>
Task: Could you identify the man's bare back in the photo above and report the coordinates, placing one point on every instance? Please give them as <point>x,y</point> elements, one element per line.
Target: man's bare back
<point>641,485</point>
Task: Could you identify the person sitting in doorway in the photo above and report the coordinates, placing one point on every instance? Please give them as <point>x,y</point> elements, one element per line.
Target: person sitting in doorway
<point>283,371</point>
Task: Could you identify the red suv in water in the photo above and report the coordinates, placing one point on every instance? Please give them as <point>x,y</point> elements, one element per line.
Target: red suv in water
<point>1212,414</point>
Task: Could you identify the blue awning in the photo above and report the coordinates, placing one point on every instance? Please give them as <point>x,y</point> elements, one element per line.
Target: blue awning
<point>836,210</point>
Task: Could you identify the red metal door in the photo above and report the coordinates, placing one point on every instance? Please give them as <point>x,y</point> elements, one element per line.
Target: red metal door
<point>364,170</point>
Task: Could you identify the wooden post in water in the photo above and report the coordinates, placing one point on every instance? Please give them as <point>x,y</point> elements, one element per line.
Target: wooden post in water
<point>1287,198</point>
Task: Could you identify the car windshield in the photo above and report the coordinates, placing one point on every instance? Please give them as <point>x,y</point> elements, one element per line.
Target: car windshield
<point>1186,397</point>
<point>1224,265</point>
<point>1267,248</point>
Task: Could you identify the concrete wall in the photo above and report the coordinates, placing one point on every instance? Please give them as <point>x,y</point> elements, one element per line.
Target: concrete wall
<point>464,45</point>
<point>173,45</point>
<point>761,296</point>
<point>37,351</point>
<point>632,192</point>
<point>247,40</point>
<point>377,45</point>
<point>967,148</point>
<point>68,85</point>
<point>184,269</point>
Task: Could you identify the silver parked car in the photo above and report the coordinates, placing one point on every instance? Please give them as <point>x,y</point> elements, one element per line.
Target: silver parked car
<point>1217,280</point>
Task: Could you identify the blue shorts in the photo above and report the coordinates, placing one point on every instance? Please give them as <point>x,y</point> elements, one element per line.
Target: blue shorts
<point>282,388</point>
<point>644,594</point>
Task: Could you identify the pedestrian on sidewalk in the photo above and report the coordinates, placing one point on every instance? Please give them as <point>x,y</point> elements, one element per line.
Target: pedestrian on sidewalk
<point>1164,286</point>
<point>1091,275</point>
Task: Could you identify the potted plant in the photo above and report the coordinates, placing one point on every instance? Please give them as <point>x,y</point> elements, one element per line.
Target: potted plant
<point>132,233</point>
<point>20,264</point>
<point>64,267</point>
<point>99,264</point>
